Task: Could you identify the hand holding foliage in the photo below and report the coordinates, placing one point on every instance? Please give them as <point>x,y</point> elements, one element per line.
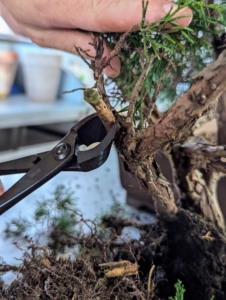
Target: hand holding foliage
<point>175,53</point>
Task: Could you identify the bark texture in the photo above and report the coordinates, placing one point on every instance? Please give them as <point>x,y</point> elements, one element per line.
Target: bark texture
<point>221,120</point>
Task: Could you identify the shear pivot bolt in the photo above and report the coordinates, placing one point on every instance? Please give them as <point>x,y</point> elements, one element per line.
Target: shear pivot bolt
<point>61,151</point>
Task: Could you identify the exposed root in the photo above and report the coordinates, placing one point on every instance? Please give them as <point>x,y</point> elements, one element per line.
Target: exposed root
<point>149,280</point>
<point>186,248</point>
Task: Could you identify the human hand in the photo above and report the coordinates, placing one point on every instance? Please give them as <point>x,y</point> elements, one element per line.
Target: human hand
<point>56,23</point>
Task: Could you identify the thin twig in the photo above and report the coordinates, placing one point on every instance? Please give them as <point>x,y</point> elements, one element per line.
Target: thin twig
<point>135,92</point>
<point>118,47</point>
<point>98,68</point>
<point>7,268</point>
<point>81,53</point>
<point>149,279</point>
<point>74,90</point>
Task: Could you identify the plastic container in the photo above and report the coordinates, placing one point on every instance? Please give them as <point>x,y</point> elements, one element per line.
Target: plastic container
<point>2,190</point>
<point>41,76</point>
<point>8,67</point>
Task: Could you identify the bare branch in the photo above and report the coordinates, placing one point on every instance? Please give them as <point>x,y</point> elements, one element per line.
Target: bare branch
<point>175,124</point>
<point>74,90</point>
<point>148,104</point>
<point>83,53</point>
<point>118,47</point>
<point>135,92</point>
<point>7,268</point>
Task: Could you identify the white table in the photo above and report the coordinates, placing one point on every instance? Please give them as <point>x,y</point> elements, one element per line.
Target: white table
<point>18,111</point>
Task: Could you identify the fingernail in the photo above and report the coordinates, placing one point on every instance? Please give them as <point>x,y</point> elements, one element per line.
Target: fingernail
<point>169,7</point>
<point>113,70</point>
<point>184,11</point>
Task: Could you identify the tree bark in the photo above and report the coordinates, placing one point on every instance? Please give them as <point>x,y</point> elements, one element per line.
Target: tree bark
<point>177,123</point>
<point>221,120</point>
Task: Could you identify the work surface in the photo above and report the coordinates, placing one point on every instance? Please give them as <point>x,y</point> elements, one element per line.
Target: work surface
<point>18,111</point>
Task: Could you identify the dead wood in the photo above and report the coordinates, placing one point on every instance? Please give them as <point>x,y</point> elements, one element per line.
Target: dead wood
<point>198,167</point>
<point>202,156</point>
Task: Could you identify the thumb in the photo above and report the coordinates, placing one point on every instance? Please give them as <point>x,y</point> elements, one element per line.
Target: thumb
<point>104,16</point>
<point>123,15</point>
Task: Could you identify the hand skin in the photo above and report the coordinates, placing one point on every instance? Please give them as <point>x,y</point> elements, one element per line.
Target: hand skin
<point>55,23</point>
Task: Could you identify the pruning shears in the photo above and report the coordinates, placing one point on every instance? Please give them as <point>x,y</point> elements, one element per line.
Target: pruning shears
<point>65,156</point>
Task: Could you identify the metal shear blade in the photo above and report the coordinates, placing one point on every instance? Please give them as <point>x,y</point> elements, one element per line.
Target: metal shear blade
<point>65,156</point>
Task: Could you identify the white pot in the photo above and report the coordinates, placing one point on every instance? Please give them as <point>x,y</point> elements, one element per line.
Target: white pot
<point>41,76</point>
<point>8,67</point>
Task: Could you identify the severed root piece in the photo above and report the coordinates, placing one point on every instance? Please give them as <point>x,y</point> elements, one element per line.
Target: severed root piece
<point>104,113</point>
<point>46,263</point>
<point>208,237</point>
<point>120,268</point>
<point>63,257</point>
<point>149,279</point>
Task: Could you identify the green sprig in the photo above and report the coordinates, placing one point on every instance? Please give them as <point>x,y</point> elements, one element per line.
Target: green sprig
<point>171,50</point>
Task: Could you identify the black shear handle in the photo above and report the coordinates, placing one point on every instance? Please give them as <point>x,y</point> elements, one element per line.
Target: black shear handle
<point>46,169</point>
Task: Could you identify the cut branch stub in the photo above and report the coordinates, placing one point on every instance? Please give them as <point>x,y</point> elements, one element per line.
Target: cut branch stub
<point>104,113</point>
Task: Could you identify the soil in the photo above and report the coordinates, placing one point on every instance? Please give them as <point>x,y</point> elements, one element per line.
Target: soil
<point>185,248</point>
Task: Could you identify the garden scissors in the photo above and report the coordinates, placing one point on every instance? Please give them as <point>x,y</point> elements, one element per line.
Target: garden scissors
<point>65,156</point>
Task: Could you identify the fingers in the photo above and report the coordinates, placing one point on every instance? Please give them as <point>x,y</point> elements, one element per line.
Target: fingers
<point>10,20</point>
<point>126,14</point>
<point>53,23</point>
<point>66,40</point>
<point>95,15</point>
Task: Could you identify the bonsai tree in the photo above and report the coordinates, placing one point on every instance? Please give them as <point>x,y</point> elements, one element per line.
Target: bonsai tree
<point>162,61</point>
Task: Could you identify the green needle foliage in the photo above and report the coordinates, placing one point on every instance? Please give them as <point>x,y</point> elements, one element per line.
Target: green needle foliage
<point>180,291</point>
<point>173,52</point>
<point>50,214</point>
